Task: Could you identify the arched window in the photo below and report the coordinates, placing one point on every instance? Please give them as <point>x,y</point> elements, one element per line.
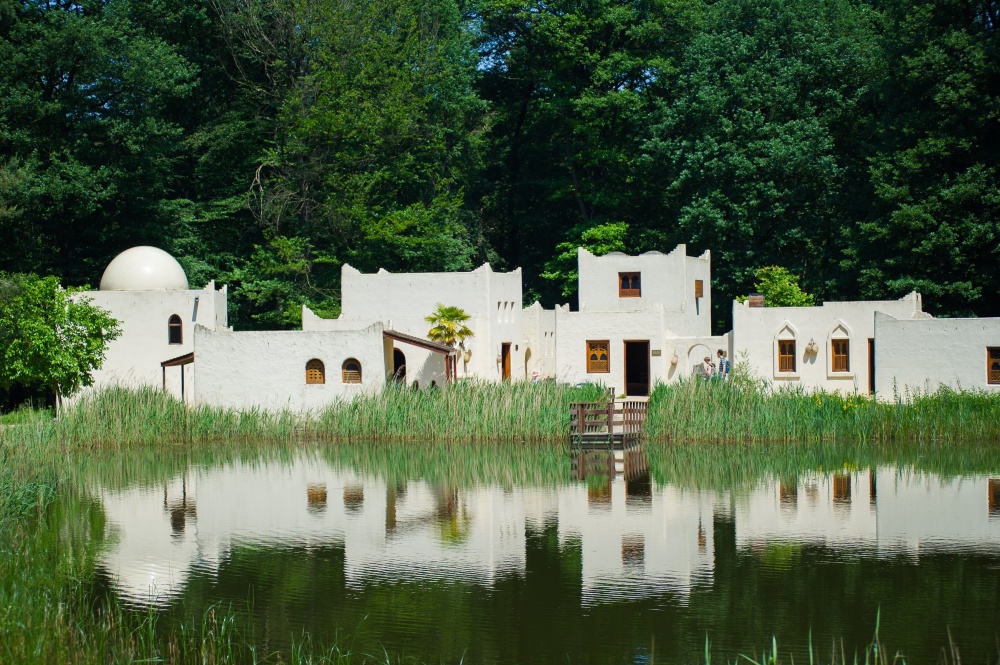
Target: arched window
<point>351,371</point>
<point>315,371</point>
<point>175,331</point>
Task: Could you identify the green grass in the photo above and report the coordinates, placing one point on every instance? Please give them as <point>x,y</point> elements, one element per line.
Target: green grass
<point>466,412</point>
<point>747,410</point>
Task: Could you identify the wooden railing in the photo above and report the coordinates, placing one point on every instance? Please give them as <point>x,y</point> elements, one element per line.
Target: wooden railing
<point>606,421</point>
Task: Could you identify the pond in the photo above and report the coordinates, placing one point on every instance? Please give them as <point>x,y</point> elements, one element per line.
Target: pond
<point>593,558</point>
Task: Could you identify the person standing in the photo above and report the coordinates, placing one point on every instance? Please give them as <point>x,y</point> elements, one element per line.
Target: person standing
<point>723,364</point>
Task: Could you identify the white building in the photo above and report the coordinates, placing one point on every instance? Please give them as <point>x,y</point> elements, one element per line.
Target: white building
<point>926,354</point>
<point>827,347</point>
<point>288,369</point>
<point>642,320</point>
<point>402,301</point>
<point>146,290</point>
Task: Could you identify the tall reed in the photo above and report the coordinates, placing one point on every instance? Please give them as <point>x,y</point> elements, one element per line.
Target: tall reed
<point>748,410</point>
<point>464,412</point>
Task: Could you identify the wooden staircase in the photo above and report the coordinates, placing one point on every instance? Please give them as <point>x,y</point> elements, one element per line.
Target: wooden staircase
<point>609,423</point>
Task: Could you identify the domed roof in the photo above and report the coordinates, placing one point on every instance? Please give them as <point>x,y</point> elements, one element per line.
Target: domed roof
<point>144,269</point>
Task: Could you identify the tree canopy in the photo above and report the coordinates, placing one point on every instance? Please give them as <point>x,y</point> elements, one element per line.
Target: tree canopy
<point>266,142</point>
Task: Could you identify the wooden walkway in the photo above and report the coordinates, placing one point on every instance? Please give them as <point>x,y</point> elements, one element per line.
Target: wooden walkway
<point>609,424</point>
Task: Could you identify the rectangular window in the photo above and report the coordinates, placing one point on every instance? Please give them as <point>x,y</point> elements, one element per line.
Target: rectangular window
<point>786,355</point>
<point>629,285</point>
<point>993,365</point>
<point>841,355</point>
<point>699,288</point>
<point>597,357</point>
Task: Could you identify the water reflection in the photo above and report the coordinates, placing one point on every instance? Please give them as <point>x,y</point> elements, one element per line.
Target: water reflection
<point>313,541</point>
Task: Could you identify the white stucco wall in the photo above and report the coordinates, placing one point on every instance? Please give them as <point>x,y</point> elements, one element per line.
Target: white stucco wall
<point>691,352</point>
<point>267,370</point>
<point>924,355</point>
<point>756,331</point>
<point>539,332</point>
<point>574,329</point>
<point>667,281</point>
<point>402,301</point>
<point>134,358</point>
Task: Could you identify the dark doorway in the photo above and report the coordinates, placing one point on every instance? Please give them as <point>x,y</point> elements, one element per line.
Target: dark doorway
<point>637,368</point>
<point>398,366</point>
<point>871,366</point>
<point>505,360</point>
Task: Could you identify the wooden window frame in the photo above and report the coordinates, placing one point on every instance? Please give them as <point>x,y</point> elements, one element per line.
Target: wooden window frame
<point>840,355</point>
<point>786,360</point>
<point>992,356</point>
<point>634,290</point>
<point>699,288</point>
<point>350,375</point>
<point>598,365</point>
<point>175,330</point>
<point>315,372</point>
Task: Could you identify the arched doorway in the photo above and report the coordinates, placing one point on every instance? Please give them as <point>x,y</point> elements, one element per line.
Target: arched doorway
<point>398,366</point>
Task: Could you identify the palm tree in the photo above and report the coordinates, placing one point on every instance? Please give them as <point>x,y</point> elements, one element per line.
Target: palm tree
<point>449,325</point>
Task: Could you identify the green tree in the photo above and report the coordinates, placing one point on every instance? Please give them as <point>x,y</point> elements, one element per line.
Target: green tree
<point>763,151</point>
<point>598,240</point>
<point>448,325</point>
<point>938,224</point>
<point>372,144</point>
<point>48,336</point>
<point>780,288</point>
<point>571,85</point>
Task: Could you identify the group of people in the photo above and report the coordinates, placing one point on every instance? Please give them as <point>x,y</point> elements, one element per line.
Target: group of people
<point>718,370</point>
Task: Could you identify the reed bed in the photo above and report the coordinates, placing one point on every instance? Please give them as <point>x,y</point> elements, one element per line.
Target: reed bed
<point>466,412</point>
<point>746,410</point>
<point>710,466</point>
<point>472,412</point>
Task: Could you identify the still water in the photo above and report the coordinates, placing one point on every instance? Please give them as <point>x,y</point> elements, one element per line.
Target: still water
<point>599,563</point>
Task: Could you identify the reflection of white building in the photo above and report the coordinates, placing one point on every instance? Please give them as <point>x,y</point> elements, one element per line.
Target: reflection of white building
<point>925,512</point>
<point>420,532</point>
<point>835,510</point>
<point>885,510</point>
<point>638,546</point>
<point>636,540</point>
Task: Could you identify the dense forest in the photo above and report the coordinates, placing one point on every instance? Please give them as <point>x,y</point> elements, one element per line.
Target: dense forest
<point>266,142</point>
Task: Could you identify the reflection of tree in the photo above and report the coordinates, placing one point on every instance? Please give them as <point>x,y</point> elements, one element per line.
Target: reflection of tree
<point>452,515</point>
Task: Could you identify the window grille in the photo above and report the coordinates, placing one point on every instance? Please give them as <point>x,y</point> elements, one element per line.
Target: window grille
<point>315,371</point>
<point>786,355</point>
<point>351,371</point>
<point>993,365</point>
<point>629,285</point>
<point>841,355</point>
<point>597,357</point>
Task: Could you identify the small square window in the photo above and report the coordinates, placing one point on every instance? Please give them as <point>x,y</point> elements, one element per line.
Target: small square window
<point>841,355</point>
<point>629,285</point>
<point>597,357</point>
<point>993,365</point>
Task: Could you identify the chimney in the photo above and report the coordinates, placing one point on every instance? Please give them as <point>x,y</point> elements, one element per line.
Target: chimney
<point>756,300</point>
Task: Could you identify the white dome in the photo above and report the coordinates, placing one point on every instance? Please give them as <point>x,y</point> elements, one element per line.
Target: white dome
<point>144,269</point>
